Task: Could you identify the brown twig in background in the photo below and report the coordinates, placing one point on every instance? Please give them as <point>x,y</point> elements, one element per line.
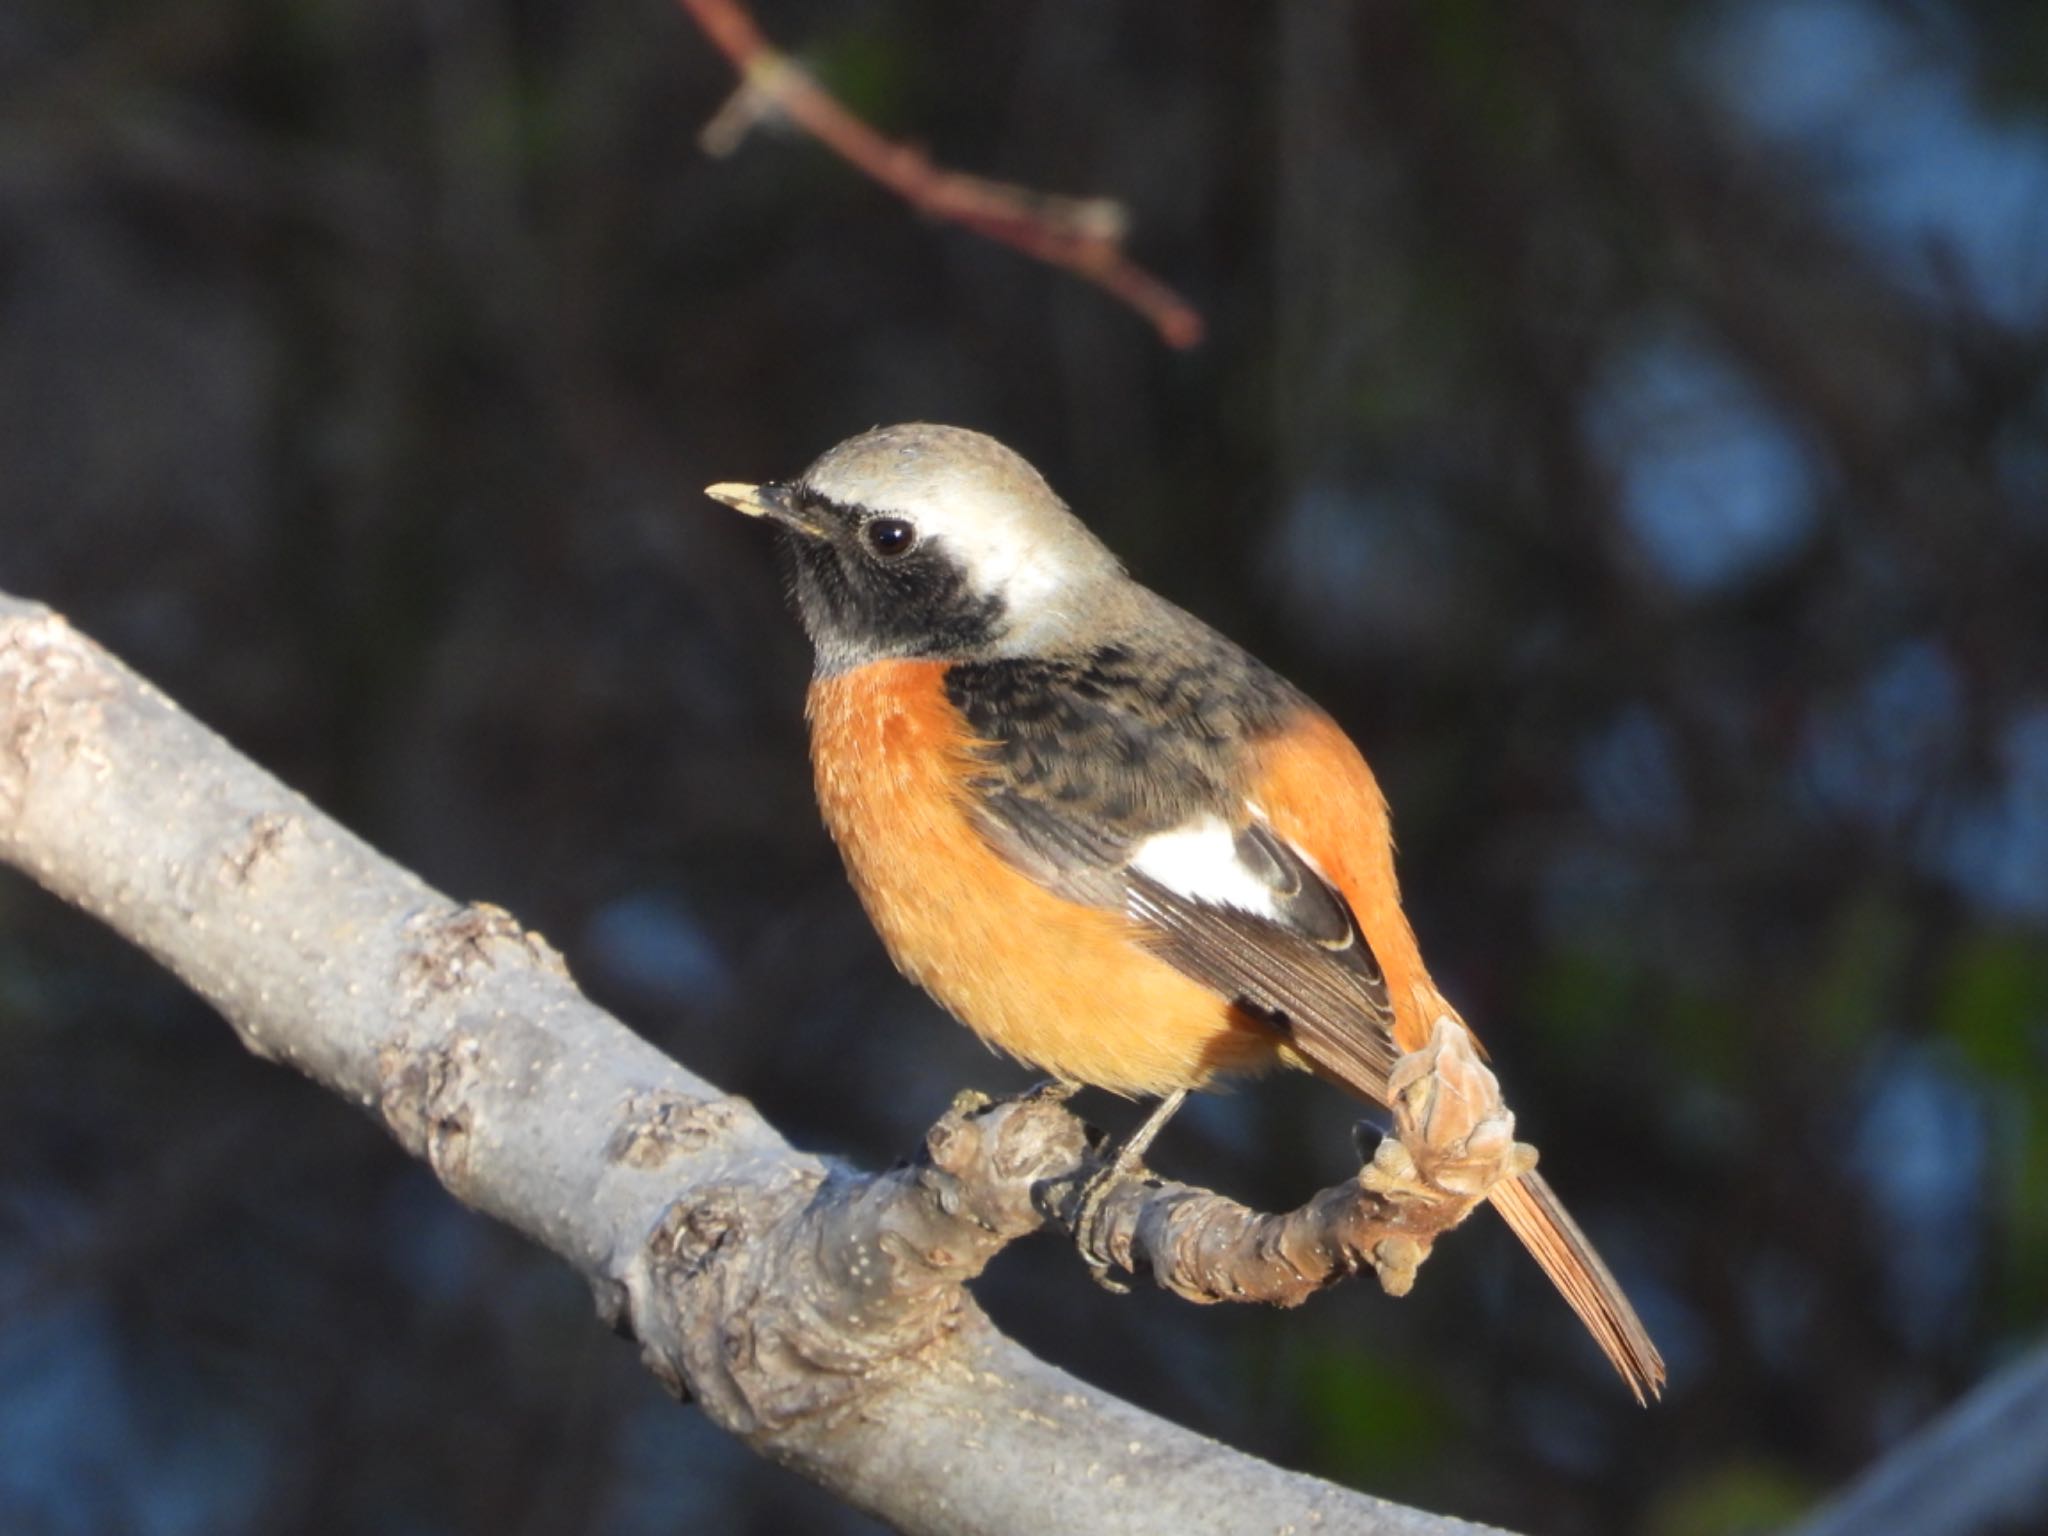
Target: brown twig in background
<point>1083,235</point>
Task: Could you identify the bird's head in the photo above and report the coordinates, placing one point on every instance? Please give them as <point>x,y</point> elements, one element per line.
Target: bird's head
<point>929,541</point>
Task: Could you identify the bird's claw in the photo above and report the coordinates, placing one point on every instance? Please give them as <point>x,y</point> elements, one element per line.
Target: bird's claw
<point>1453,1133</point>
<point>1087,1223</point>
<point>1051,1090</point>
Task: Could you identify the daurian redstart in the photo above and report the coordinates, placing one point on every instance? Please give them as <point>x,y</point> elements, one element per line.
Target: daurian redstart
<point>1104,837</point>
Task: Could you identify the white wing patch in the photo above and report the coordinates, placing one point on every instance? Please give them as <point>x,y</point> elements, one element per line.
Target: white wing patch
<point>1199,861</point>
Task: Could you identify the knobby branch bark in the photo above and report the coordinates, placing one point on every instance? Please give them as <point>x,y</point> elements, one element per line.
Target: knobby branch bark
<point>1082,235</point>
<point>818,1313</point>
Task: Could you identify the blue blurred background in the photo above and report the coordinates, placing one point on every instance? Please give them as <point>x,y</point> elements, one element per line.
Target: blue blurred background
<point>1632,421</point>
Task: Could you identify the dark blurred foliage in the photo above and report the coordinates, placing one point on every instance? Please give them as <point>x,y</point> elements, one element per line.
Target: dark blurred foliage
<point>1632,420</point>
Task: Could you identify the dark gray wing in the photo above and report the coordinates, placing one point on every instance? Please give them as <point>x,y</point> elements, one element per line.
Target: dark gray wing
<point>1300,962</point>
<point>1087,758</point>
<point>1306,967</point>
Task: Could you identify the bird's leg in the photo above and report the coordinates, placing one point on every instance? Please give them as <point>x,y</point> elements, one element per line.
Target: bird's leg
<point>1129,1158</point>
<point>1139,1142</point>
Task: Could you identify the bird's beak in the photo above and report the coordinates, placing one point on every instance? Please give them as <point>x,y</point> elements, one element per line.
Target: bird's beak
<point>769,501</point>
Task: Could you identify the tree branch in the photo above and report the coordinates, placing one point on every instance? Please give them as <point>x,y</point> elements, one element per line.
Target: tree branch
<point>818,1314</point>
<point>1082,235</point>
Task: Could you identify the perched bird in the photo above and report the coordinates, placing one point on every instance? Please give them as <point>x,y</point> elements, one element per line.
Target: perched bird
<point>1097,832</point>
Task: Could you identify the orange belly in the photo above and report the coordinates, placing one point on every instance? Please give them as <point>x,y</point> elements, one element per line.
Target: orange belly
<point>1064,987</point>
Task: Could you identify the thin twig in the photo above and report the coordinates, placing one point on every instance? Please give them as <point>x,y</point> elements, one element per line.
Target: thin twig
<point>1082,235</point>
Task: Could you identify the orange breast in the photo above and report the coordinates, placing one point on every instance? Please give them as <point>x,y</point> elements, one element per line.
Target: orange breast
<point>1318,793</point>
<point>1062,986</point>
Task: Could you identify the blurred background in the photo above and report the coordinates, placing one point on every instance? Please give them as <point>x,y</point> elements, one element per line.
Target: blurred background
<point>1630,420</point>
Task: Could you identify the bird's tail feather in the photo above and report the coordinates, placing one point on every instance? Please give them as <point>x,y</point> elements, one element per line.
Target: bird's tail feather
<point>1359,1060</point>
<point>1536,1216</point>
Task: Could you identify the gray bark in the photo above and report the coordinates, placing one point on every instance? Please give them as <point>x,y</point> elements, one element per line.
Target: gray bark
<point>1979,1469</point>
<point>818,1314</point>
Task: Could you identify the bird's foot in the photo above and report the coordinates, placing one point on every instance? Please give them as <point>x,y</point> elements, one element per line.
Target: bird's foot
<point>1088,1214</point>
<point>1453,1133</point>
<point>1051,1090</point>
<point>1128,1162</point>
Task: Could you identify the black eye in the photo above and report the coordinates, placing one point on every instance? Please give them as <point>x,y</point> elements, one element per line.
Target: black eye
<point>888,536</point>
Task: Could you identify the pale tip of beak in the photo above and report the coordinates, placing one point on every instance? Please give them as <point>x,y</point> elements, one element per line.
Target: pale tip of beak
<point>741,498</point>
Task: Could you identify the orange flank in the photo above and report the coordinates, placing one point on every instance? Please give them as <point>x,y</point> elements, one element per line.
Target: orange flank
<point>1065,987</point>
<point>1317,792</point>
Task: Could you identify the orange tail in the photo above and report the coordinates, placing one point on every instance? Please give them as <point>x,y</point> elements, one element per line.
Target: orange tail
<point>1535,1215</point>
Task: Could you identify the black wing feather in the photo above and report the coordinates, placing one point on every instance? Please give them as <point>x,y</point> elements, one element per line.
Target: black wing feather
<point>1330,999</point>
<point>1083,759</point>
<point>1311,972</point>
